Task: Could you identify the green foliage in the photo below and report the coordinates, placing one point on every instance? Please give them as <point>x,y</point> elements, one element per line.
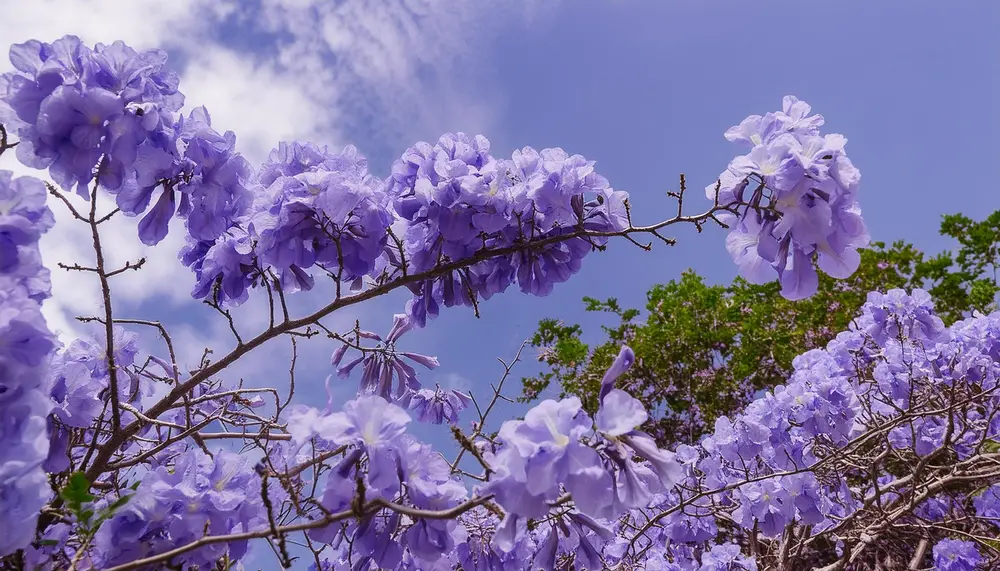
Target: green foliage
<point>704,350</point>
<point>76,495</point>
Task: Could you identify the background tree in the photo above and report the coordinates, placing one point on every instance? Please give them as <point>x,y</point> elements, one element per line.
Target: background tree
<point>705,350</point>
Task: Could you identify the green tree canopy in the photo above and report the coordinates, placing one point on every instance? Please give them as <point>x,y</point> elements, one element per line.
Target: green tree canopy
<point>703,350</point>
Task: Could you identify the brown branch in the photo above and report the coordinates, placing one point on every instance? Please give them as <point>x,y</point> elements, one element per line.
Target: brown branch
<point>121,436</point>
<point>369,508</point>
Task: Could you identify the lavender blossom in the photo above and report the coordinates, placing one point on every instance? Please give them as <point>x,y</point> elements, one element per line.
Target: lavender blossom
<point>804,204</point>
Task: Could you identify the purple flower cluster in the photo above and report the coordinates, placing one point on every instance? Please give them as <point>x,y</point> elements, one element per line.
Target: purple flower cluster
<point>76,107</point>
<point>310,208</point>
<point>455,200</point>
<point>897,353</point>
<point>478,548</point>
<point>25,345</point>
<point>224,268</point>
<point>459,200</point>
<point>987,504</point>
<point>178,504</point>
<point>202,177</point>
<point>383,367</point>
<point>765,461</point>
<point>437,406</point>
<point>558,445</point>
<point>315,208</point>
<point>80,388</point>
<point>384,462</point>
<point>110,115</point>
<point>24,217</point>
<point>803,203</point>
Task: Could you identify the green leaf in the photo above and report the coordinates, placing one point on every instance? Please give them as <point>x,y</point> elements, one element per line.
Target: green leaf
<point>76,492</point>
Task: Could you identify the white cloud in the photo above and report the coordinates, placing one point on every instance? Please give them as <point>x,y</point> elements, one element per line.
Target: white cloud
<point>402,68</point>
<point>256,98</point>
<point>139,23</point>
<point>453,381</point>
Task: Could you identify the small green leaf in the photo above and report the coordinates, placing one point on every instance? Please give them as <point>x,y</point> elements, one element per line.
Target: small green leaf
<point>76,492</point>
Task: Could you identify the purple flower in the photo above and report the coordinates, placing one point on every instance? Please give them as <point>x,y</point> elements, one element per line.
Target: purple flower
<point>742,244</point>
<point>24,445</point>
<point>956,555</point>
<point>481,546</point>
<point>765,503</point>
<point>372,421</point>
<point>24,197</point>
<point>726,557</point>
<point>24,217</point>
<point>885,316</point>
<point>987,504</point>
<point>622,363</point>
<point>224,268</point>
<point>376,424</point>
<point>617,419</point>
<point>72,124</point>
<point>136,76</point>
<point>437,406</point>
<point>544,450</point>
<point>80,385</point>
<point>214,180</point>
<point>384,365</point>
<point>24,338</point>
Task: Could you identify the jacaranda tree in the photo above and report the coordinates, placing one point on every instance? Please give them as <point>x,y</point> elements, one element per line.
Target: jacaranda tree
<point>878,452</point>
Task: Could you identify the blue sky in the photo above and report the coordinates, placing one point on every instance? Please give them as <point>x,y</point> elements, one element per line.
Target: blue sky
<point>644,88</point>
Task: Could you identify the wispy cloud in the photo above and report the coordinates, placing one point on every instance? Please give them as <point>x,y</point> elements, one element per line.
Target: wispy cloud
<point>140,23</point>
<point>401,68</point>
<point>454,381</point>
<point>255,97</point>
